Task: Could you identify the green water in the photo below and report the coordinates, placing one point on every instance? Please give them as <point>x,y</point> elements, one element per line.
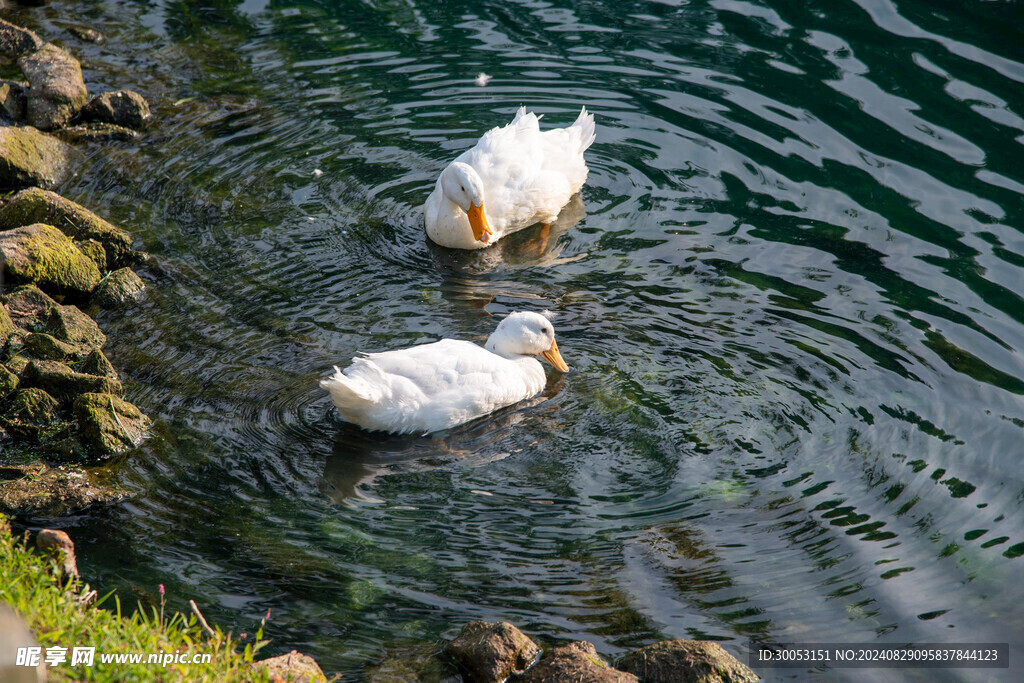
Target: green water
<point>791,295</point>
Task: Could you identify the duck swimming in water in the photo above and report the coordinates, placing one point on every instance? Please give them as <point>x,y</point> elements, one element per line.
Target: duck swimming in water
<point>430,387</point>
<point>514,177</point>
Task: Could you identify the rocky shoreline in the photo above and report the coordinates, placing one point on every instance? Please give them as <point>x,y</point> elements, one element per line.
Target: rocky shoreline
<point>61,411</point>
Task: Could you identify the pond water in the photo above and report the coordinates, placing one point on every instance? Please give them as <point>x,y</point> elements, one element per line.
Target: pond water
<point>790,293</point>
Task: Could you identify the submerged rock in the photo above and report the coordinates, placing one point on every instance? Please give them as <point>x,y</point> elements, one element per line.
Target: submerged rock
<point>88,34</point>
<point>294,667</point>
<point>64,383</point>
<point>118,287</point>
<point>56,89</point>
<point>16,41</point>
<point>34,205</point>
<point>95,132</point>
<point>122,108</point>
<point>13,99</point>
<point>686,661</point>
<point>43,255</point>
<point>69,324</point>
<point>58,544</point>
<point>52,492</point>
<point>577,662</point>
<point>30,157</point>
<point>490,653</point>
<point>108,424</point>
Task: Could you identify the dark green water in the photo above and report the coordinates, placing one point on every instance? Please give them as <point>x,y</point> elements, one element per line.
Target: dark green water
<point>791,297</point>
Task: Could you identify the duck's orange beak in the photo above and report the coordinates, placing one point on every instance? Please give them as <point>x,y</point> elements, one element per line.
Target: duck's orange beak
<point>478,221</point>
<point>554,357</point>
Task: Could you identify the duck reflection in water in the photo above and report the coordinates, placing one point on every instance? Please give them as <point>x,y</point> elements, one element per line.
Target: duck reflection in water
<point>359,457</point>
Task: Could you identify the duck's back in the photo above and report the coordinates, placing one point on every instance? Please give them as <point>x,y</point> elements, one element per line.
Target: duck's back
<point>434,386</point>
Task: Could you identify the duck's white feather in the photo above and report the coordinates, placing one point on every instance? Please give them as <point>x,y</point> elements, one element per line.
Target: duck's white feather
<point>527,175</point>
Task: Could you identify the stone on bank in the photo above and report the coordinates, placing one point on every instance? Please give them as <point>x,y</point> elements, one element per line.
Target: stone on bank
<point>43,255</point>
<point>31,157</point>
<point>56,89</point>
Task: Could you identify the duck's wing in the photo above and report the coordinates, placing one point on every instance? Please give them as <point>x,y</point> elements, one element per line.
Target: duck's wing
<point>437,368</point>
<point>563,149</point>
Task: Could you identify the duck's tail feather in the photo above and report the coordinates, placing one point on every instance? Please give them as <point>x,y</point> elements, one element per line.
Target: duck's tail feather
<point>585,123</point>
<point>348,393</point>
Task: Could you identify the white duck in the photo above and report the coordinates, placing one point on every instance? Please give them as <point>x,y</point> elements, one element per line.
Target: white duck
<point>435,386</point>
<point>515,176</point>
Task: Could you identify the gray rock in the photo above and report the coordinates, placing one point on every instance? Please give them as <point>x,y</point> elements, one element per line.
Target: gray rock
<point>56,89</point>
<point>16,41</point>
<point>577,662</point>
<point>118,287</point>
<point>108,424</point>
<point>122,108</point>
<point>96,132</point>
<point>686,661</point>
<point>34,205</point>
<point>490,653</point>
<point>30,157</point>
<point>294,666</point>
<point>60,546</point>
<point>13,99</point>
<point>28,305</point>
<point>43,255</point>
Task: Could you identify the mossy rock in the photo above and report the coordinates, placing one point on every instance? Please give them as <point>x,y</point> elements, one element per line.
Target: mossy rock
<point>30,410</point>
<point>118,287</point>
<point>56,88</point>
<point>690,661</point>
<point>490,653</point>
<point>28,301</point>
<point>35,205</point>
<point>31,157</point>
<point>108,424</point>
<point>122,108</point>
<point>13,99</point>
<point>8,382</point>
<point>16,41</point>
<point>34,406</point>
<point>6,326</point>
<point>64,383</point>
<point>576,661</point>
<point>43,255</point>
<point>95,251</point>
<point>96,363</point>
<point>54,492</point>
<point>45,347</point>
<point>69,324</point>
<point>18,364</point>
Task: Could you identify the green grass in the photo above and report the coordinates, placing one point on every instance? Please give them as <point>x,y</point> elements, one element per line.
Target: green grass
<point>56,617</point>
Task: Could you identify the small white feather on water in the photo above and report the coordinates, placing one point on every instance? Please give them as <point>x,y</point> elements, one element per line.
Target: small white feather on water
<point>317,173</point>
<point>482,79</point>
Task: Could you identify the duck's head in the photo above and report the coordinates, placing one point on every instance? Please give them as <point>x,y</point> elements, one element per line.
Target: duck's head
<point>463,187</point>
<point>526,333</point>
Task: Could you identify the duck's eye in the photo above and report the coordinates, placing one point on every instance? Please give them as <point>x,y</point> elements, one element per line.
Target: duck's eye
<point>462,188</point>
